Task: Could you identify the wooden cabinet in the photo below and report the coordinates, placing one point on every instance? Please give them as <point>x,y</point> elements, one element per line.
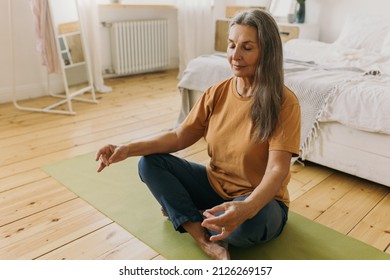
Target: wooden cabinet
<point>288,32</point>
<point>301,31</point>
<point>221,35</point>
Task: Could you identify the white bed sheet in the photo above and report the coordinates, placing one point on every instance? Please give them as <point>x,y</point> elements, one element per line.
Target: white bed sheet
<point>205,71</point>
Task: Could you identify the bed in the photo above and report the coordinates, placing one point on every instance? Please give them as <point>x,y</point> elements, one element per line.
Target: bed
<point>344,92</point>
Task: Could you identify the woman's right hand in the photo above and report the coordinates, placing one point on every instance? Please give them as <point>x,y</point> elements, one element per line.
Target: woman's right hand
<point>111,154</point>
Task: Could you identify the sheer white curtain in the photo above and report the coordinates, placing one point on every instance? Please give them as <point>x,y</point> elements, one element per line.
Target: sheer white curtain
<point>196,30</point>
<point>89,21</point>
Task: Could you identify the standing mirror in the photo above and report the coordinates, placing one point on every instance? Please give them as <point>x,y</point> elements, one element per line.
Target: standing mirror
<point>71,48</point>
<point>61,42</point>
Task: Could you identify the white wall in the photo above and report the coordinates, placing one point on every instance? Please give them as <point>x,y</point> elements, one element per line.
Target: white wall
<point>332,14</point>
<point>29,73</point>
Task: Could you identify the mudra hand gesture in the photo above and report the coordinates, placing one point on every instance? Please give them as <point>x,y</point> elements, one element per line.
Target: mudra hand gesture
<point>111,154</point>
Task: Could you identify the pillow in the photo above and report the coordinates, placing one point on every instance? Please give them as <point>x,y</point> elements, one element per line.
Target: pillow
<point>386,45</point>
<point>364,32</point>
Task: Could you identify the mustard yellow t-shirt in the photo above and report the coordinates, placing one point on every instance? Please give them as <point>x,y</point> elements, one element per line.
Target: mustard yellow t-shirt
<point>237,164</point>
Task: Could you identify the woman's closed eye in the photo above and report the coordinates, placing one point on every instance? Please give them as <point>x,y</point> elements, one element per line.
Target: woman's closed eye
<point>245,47</point>
<point>231,45</point>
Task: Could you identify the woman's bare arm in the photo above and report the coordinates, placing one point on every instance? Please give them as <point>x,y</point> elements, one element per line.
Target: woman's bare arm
<point>167,142</point>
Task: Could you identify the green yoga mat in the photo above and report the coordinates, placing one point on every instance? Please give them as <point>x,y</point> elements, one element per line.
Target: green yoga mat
<point>119,194</point>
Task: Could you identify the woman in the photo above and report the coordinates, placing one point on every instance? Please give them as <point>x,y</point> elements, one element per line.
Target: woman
<point>251,123</point>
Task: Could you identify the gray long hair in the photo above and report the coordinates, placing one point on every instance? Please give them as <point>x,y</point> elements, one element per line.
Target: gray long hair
<point>268,83</point>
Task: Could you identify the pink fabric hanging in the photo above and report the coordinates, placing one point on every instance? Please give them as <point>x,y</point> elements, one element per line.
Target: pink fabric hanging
<point>44,33</point>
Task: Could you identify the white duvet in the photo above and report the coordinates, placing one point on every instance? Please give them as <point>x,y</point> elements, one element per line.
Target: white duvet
<point>362,104</point>
<point>357,82</point>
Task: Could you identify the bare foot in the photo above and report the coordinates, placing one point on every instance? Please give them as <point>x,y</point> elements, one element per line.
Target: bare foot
<point>217,250</point>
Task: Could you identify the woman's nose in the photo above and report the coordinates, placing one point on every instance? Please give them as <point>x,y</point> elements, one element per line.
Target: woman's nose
<point>236,54</point>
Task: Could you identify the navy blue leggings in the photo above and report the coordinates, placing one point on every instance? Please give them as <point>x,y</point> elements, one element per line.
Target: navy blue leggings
<point>182,189</point>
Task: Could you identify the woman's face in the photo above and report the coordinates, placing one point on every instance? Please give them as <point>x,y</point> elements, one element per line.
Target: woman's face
<point>243,50</point>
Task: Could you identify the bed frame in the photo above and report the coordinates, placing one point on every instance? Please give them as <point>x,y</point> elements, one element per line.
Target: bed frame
<point>356,152</point>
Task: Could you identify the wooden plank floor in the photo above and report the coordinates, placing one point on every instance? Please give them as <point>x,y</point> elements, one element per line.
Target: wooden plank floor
<point>41,219</point>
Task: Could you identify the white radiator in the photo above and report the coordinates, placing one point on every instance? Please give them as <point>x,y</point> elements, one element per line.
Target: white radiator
<point>139,46</point>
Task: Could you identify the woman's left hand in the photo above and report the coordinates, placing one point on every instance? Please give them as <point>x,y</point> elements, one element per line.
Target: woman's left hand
<point>235,213</point>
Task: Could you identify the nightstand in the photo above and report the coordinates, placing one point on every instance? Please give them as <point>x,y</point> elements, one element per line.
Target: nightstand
<point>295,30</point>
<point>287,32</point>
